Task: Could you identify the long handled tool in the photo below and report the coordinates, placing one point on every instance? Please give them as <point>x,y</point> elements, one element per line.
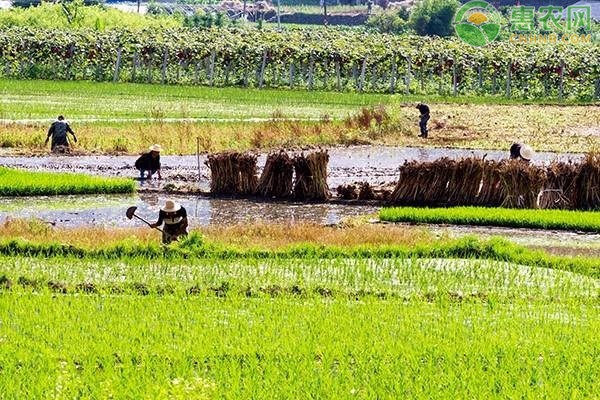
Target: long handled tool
<point>130,213</point>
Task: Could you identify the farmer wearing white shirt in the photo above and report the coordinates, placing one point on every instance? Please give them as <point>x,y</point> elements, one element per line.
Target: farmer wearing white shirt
<point>174,217</point>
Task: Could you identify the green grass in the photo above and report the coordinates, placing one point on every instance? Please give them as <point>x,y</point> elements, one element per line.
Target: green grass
<point>14,182</point>
<point>349,328</point>
<point>587,221</point>
<point>77,100</point>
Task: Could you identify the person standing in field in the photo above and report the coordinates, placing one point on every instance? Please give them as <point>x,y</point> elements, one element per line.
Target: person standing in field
<point>174,217</point>
<point>149,162</point>
<point>520,151</point>
<point>424,110</point>
<point>58,132</point>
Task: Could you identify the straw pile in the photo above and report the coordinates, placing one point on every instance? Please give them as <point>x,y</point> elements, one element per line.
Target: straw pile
<point>521,183</point>
<point>276,178</point>
<point>465,178</point>
<point>441,182</point>
<point>490,192</point>
<point>469,181</point>
<point>559,190</point>
<point>366,192</point>
<point>248,173</point>
<point>347,192</point>
<point>232,173</point>
<point>587,184</point>
<point>311,176</point>
<point>421,183</point>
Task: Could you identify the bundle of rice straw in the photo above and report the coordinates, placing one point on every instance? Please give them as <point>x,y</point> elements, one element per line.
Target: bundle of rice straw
<point>276,178</point>
<point>311,176</point>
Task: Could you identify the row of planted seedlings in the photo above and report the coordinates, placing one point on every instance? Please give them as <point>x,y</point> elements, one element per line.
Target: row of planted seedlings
<point>300,176</point>
<point>507,183</point>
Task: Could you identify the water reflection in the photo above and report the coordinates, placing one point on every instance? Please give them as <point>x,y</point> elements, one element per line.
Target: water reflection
<point>72,211</point>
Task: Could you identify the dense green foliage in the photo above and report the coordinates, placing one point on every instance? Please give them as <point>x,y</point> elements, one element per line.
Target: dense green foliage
<point>587,221</point>
<point>393,21</point>
<point>14,182</point>
<point>311,58</point>
<point>433,17</point>
<point>273,328</point>
<point>50,15</point>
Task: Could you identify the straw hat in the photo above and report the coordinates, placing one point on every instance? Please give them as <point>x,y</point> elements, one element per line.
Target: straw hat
<point>526,152</point>
<point>155,147</point>
<point>171,206</point>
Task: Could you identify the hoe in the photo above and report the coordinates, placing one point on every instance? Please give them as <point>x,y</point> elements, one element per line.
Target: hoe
<point>130,213</point>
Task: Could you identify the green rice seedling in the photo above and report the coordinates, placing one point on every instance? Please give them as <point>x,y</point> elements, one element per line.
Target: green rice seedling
<point>587,221</point>
<point>195,248</point>
<point>173,346</point>
<point>14,182</point>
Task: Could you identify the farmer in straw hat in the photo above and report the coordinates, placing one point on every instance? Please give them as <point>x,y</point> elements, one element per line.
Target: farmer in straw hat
<point>174,216</point>
<point>149,162</point>
<point>520,151</point>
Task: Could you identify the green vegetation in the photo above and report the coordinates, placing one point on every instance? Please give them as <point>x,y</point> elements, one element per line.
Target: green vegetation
<point>391,21</point>
<point>14,182</point>
<point>313,59</point>
<point>294,328</point>
<point>203,319</point>
<point>196,248</point>
<point>75,15</point>
<point>124,118</point>
<point>587,221</point>
<point>433,17</point>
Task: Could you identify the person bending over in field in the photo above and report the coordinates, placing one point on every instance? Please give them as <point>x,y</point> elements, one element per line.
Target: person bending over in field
<point>149,162</point>
<point>58,132</point>
<point>424,110</point>
<point>174,217</point>
<point>520,151</point>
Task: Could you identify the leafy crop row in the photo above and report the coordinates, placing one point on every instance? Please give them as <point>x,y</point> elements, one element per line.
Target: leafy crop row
<point>303,58</point>
<point>14,182</point>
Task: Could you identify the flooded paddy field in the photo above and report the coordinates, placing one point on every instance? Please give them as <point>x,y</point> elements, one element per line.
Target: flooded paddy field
<point>373,164</point>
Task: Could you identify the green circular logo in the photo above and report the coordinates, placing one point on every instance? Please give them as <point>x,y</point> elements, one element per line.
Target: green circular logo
<point>476,23</point>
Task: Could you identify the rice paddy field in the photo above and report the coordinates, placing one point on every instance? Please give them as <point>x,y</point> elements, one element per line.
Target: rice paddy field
<point>355,309</point>
<point>209,325</point>
<point>123,118</point>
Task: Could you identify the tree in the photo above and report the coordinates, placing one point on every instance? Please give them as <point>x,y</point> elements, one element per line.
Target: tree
<point>433,17</point>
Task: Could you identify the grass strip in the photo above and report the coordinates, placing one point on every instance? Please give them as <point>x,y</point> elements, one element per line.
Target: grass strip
<point>194,247</point>
<point>586,221</point>
<point>14,182</point>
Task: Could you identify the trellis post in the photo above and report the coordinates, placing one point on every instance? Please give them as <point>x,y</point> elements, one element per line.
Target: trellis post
<point>508,78</point>
<point>163,78</point>
<point>118,64</point>
<point>393,75</point>
<point>408,74</point>
<point>361,82</point>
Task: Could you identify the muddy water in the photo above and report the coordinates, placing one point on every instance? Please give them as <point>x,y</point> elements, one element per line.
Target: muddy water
<point>374,164</point>
<point>73,211</point>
